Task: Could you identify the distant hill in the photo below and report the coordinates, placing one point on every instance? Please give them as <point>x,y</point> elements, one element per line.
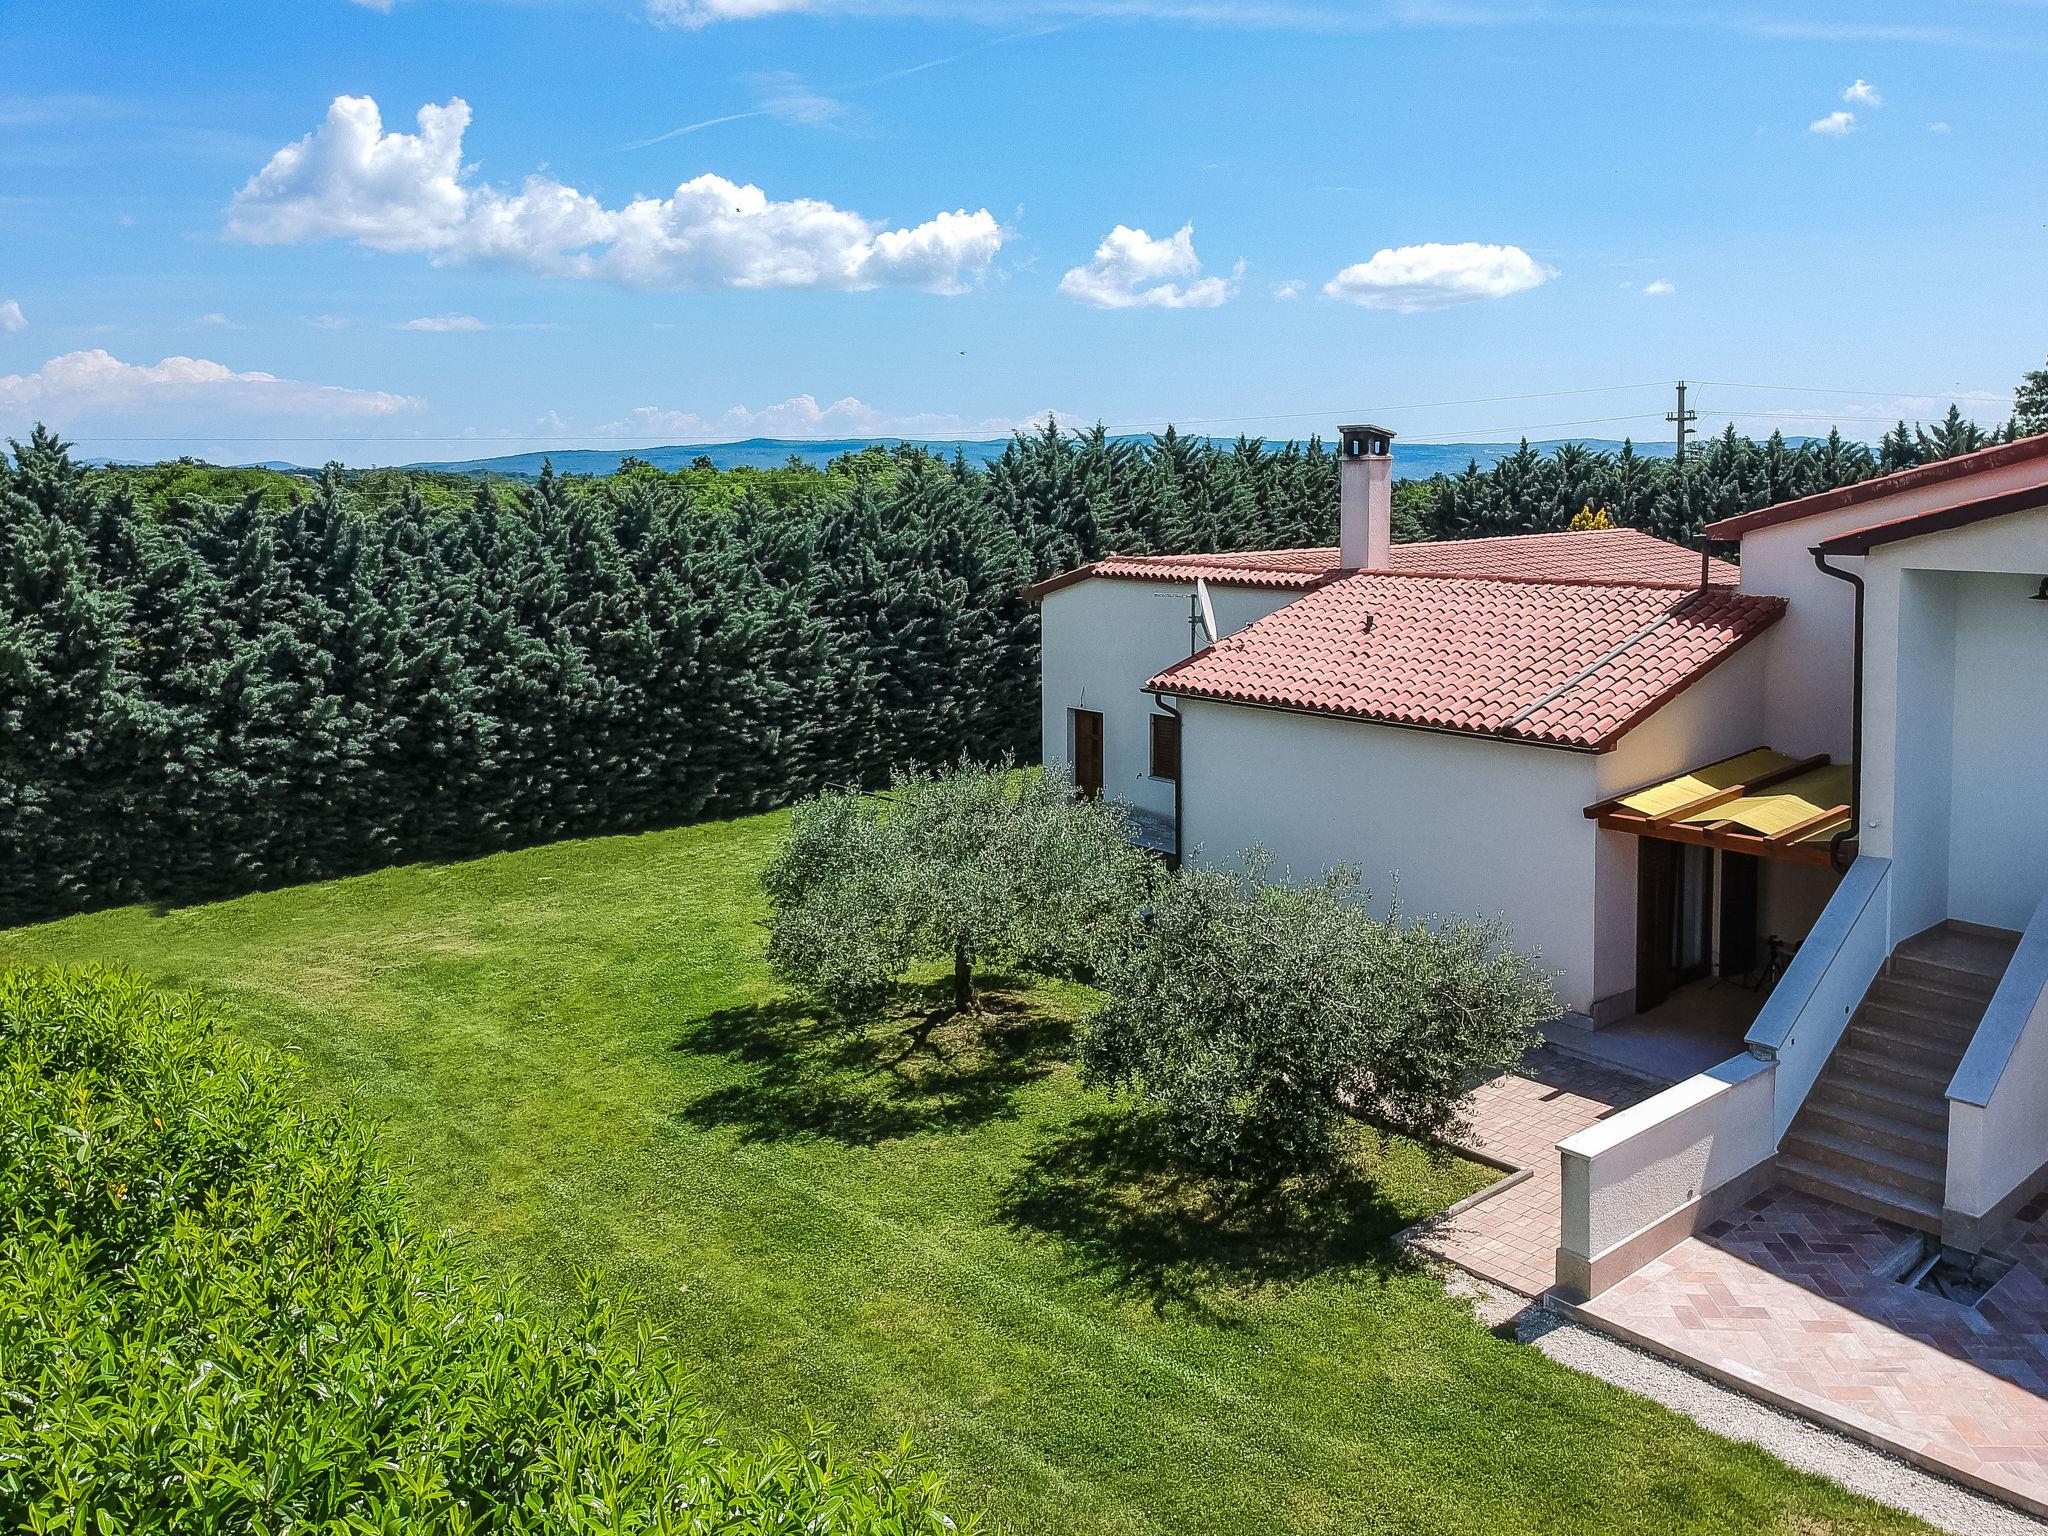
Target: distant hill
<point>1411,460</point>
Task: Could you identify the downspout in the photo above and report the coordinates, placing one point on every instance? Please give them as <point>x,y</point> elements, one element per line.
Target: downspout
<point>1820,559</point>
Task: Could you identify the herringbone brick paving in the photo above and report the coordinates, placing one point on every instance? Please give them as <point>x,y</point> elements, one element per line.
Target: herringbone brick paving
<point>1781,1296</point>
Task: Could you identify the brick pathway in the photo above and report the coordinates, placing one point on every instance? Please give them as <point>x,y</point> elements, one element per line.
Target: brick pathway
<point>1780,1298</point>
<point>1510,1237</point>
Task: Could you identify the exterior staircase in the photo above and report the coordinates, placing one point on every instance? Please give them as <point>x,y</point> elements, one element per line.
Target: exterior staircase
<point>1873,1132</point>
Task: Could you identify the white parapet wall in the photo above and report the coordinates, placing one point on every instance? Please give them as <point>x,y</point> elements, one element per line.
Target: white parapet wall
<point>1649,1176</point>
<point>1998,1101</point>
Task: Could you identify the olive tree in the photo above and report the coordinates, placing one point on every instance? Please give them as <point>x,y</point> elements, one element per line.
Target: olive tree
<point>972,866</point>
<point>1257,1016</point>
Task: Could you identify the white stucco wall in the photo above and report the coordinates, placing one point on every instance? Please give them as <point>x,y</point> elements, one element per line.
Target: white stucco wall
<point>1956,717</point>
<point>1998,819</point>
<point>1459,825</point>
<point>1720,715</point>
<point>1809,654</point>
<point>1807,689</point>
<point>1102,641</point>
<point>1653,1159</point>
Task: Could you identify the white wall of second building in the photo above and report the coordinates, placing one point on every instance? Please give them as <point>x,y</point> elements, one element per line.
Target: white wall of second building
<point>1808,682</point>
<point>1102,641</point>
<point>1956,722</point>
<point>1998,824</point>
<point>1807,679</point>
<point>1457,825</point>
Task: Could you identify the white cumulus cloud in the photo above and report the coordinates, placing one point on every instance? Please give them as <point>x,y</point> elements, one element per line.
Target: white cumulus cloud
<point>11,317</point>
<point>1659,287</point>
<point>702,13</point>
<point>445,323</point>
<point>1131,270</point>
<point>1412,278</point>
<point>95,385</point>
<point>802,416</point>
<point>1291,289</point>
<point>1835,123</point>
<point>1863,94</point>
<point>351,180</point>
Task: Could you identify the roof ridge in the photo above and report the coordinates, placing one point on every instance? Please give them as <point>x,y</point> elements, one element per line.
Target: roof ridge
<point>1516,578</point>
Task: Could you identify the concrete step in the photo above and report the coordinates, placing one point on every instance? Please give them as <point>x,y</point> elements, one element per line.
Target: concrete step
<point>1915,1174</point>
<point>1875,1129</point>
<point>1918,1107</point>
<point>1852,1062</point>
<point>1879,1030</point>
<point>1921,1000</point>
<point>1964,986</point>
<point>1859,1194</point>
<point>1966,946</point>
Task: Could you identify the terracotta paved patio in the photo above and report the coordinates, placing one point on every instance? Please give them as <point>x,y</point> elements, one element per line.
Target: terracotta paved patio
<point>1780,1298</point>
<point>1510,1236</point>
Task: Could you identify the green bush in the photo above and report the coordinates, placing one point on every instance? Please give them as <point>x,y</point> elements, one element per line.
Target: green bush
<point>216,1317</point>
<point>1258,1017</point>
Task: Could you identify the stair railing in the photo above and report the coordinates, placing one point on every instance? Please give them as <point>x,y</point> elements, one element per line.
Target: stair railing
<point>1802,1022</point>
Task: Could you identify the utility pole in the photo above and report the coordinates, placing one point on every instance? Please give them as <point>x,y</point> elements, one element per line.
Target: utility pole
<point>1684,420</point>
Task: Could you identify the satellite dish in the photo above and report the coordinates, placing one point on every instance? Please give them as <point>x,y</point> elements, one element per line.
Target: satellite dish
<point>1208,610</point>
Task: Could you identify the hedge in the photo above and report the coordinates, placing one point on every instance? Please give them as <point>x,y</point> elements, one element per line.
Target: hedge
<point>217,1316</point>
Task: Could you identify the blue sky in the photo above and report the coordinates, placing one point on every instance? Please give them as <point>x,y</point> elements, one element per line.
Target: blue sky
<point>225,229</point>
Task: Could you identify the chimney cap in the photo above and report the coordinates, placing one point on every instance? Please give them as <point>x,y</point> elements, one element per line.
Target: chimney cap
<point>1365,442</point>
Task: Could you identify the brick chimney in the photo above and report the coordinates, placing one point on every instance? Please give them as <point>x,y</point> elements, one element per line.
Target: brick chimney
<point>1365,482</point>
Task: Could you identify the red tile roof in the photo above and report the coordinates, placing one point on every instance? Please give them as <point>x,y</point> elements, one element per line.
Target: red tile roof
<point>1598,554</point>
<point>1563,663</point>
<point>1606,555</point>
<point>1937,473</point>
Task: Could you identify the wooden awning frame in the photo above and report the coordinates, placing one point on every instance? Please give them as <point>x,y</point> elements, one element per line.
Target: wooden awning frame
<point>1671,826</point>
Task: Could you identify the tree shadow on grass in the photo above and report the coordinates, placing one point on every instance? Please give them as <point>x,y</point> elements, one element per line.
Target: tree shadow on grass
<point>1142,1221</point>
<point>810,1078</point>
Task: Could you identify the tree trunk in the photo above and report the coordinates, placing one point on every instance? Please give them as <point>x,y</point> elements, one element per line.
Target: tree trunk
<point>963,979</point>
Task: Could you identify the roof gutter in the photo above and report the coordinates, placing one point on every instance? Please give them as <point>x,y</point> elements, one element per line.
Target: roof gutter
<point>1855,827</point>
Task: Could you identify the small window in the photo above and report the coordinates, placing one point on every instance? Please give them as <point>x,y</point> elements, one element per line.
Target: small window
<point>1165,747</point>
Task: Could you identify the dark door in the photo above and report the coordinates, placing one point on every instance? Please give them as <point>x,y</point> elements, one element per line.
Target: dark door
<point>1674,918</point>
<point>1088,752</point>
<point>1739,919</point>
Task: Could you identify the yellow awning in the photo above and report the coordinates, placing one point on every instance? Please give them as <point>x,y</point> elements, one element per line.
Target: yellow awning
<point>1676,794</point>
<point>1760,802</point>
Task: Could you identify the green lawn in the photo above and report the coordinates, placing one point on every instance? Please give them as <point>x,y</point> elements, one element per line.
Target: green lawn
<point>578,1060</point>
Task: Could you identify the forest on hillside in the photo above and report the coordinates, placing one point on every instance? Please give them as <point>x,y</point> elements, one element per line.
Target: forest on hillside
<point>208,685</point>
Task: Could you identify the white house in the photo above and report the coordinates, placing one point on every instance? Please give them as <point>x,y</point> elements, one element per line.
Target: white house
<point>1441,718</point>
<point>1657,767</point>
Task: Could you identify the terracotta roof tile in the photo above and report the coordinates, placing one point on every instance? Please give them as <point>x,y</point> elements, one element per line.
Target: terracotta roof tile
<point>1567,663</point>
<point>1607,554</point>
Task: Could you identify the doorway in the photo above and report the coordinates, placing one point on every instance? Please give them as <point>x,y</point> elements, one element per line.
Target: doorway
<point>1674,918</point>
<point>1087,729</point>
